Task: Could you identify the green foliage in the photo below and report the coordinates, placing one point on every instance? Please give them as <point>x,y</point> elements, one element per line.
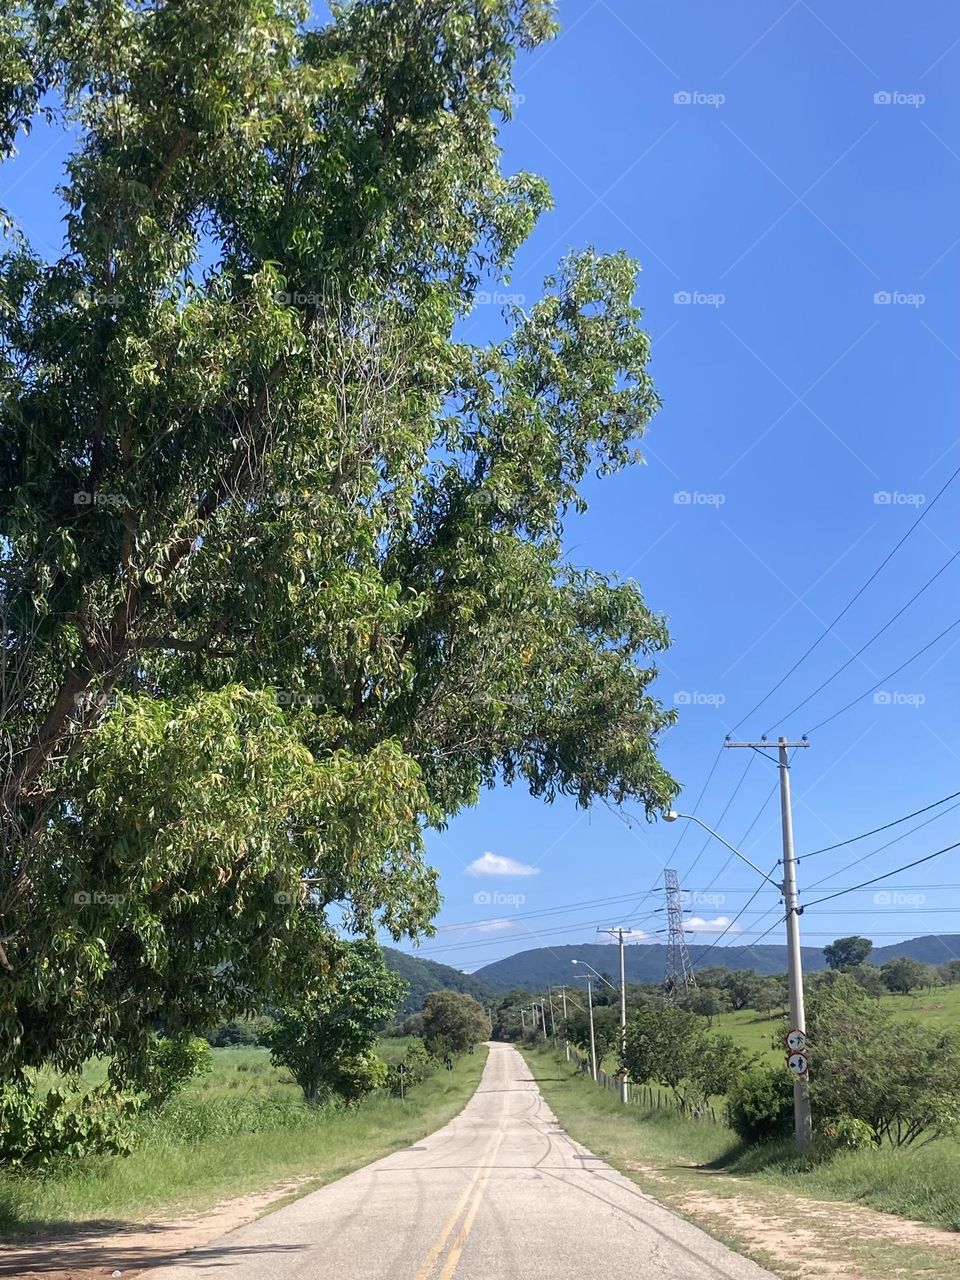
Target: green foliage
<point>900,1078</point>
<point>453,1022</point>
<point>423,976</point>
<point>671,1046</point>
<point>606,1030</point>
<point>760,1104</point>
<point>171,1064</point>
<point>326,1042</point>
<point>903,974</point>
<point>417,1065</point>
<point>283,575</point>
<point>41,1129</point>
<point>847,1133</point>
<point>846,953</point>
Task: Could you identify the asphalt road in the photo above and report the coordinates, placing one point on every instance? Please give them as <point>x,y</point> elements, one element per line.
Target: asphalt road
<point>501,1191</point>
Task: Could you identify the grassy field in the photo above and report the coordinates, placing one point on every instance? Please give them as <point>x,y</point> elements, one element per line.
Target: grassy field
<point>922,1184</point>
<point>760,1032</point>
<point>798,1219</point>
<point>242,1128</point>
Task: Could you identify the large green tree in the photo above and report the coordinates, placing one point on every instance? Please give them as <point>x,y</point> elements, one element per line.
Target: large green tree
<point>281,563</point>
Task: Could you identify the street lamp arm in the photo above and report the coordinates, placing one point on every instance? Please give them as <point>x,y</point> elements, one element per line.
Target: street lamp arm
<point>672,815</point>
<point>599,975</point>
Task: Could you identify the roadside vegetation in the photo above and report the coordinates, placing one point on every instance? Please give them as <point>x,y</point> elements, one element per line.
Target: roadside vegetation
<point>244,1123</point>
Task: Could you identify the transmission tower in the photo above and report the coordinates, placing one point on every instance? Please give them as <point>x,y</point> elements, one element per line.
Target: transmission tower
<point>679,976</point>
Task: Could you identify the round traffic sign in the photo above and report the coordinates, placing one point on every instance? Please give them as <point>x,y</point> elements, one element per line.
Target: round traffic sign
<point>798,1064</point>
<point>795,1041</point>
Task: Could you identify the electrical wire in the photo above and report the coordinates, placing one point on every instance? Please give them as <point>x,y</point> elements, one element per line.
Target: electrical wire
<point>852,601</point>
<point>886,876</point>
<point>848,866</point>
<point>876,830</point>
<point>883,679</point>
<point>876,636</point>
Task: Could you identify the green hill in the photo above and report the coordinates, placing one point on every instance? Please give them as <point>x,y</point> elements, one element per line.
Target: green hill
<point>541,967</point>
<point>424,976</point>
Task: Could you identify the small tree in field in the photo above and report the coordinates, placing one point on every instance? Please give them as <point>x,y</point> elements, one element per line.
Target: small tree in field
<point>453,1022</point>
<point>846,953</point>
<point>903,974</point>
<point>898,1077</point>
<point>326,1042</point>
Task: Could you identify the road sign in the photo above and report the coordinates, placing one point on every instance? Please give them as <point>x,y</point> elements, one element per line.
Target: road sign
<point>402,1067</point>
<point>798,1064</point>
<point>795,1041</point>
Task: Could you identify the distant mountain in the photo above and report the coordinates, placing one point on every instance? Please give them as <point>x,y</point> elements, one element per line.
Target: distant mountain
<point>551,966</point>
<point>424,976</point>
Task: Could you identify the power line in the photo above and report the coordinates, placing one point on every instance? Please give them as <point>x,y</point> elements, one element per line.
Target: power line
<point>876,636</point>
<point>848,866</point>
<point>876,830</point>
<point>886,876</point>
<point>851,602</point>
<point>883,679</point>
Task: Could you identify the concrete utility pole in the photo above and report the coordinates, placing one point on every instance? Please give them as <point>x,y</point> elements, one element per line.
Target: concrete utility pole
<point>618,933</point>
<point>802,1119</point>
<point>593,1043</point>
<point>566,1044</point>
<point>593,1047</point>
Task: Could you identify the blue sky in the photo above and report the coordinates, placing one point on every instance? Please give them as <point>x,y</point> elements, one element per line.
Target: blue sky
<point>780,195</point>
<point>788,176</point>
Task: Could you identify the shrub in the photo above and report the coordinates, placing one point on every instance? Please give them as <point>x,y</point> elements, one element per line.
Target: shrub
<point>39,1131</point>
<point>761,1104</point>
<point>172,1063</point>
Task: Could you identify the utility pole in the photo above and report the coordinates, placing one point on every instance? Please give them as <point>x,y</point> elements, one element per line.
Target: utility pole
<point>566,1043</point>
<point>553,1021</point>
<point>523,1020</point>
<point>593,1043</point>
<point>802,1119</point>
<point>623,1014</point>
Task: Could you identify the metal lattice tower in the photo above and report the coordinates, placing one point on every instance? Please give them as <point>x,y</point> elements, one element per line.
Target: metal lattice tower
<point>679,976</point>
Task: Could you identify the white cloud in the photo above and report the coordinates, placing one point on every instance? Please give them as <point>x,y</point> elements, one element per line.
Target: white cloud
<point>495,864</point>
<point>696,924</point>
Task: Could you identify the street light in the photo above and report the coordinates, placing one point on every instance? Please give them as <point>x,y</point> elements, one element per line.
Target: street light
<point>599,975</point>
<point>803,1124</point>
<point>593,1043</point>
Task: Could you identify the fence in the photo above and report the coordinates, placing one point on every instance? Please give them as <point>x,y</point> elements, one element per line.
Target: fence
<point>644,1095</point>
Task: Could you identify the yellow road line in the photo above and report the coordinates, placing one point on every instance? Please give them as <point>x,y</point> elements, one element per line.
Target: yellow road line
<point>434,1254</point>
<point>453,1257</point>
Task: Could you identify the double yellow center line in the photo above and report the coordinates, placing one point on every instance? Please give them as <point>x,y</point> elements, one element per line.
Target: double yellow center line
<point>467,1206</point>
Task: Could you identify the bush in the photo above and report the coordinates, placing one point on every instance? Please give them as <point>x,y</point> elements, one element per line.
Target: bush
<point>761,1105</point>
<point>37,1131</point>
<point>359,1075</point>
<point>172,1063</point>
<point>418,1066</point>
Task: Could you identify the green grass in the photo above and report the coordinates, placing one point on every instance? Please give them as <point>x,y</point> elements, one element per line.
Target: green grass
<point>240,1129</point>
<point>923,1183</point>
